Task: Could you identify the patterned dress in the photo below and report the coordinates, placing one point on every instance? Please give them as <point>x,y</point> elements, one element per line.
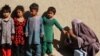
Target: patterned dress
<point>19,32</point>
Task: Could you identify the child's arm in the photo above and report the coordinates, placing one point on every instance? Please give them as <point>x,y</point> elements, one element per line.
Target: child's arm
<point>58,25</point>
<point>72,34</point>
<point>42,28</point>
<point>26,28</point>
<point>12,29</point>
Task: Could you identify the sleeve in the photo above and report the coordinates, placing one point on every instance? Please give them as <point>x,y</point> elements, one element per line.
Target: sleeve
<point>26,28</point>
<point>41,28</point>
<point>58,25</point>
<point>12,27</point>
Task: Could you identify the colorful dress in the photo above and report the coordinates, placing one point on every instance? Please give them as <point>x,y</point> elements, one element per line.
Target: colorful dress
<point>19,37</point>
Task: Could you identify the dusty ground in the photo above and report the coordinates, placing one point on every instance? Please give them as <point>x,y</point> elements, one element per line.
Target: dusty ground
<point>86,10</point>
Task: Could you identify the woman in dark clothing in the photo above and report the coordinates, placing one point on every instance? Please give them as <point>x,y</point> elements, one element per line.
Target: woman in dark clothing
<point>86,38</point>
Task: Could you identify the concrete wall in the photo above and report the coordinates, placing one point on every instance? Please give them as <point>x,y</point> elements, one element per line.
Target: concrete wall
<point>86,10</point>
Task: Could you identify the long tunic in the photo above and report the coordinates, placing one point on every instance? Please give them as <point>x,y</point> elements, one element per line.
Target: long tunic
<point>7,29</point>
<point>34,29</point>
<point>90,41</point>
<point>48,28</point>
<point>19,37</point>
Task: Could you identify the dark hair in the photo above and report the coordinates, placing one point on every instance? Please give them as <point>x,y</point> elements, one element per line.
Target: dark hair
<point>34,6</point>
<point>66,28</point>
<point>19,7</point>
<point>14,13</point>
<point>6,8</point>
<point>52,9</point>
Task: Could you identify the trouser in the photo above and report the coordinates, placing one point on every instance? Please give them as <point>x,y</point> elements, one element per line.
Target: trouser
<point>47,47</point>
<point>6,50</point>
<point>33,50</point>
<point>18,50</point>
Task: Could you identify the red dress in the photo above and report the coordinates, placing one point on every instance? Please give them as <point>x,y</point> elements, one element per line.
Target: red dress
<point>19,38</point>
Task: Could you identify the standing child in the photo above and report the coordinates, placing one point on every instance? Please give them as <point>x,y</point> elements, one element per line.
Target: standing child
<point>7,29</point>
<point>49,22</point>
<point>19,37</point>
<point>34,30</point>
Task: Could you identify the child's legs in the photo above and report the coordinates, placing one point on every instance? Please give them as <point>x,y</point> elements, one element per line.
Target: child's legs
<point>18,50</point>
<point>44,48</point>
<point>15,50</point>
<point>21,50</point>
<point>49,47</point>
<point>3,52</point>
<point>38,50</point>
<point>29,51</point>
<point>6,50</point>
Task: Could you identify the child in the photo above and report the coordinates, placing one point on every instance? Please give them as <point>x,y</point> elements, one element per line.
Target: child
<point>34,30</point>
<point>71,40</point>
<point>19,37</point>
<point>7,27</point>
<point>49,22</point>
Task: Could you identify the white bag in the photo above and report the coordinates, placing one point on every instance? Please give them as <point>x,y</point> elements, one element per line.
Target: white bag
<point>79,52</point>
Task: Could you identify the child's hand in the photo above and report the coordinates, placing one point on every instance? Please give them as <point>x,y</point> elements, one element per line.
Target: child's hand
<point>26,35</point>
<point>12,37</point>
<point>65,32</point>
<point>42,35</point>
<point>71,33</point>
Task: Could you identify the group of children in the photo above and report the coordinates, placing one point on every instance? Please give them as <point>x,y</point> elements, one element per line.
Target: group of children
<point>32,36</point>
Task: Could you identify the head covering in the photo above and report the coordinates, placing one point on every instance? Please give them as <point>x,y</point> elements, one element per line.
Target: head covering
<point>83,31</point>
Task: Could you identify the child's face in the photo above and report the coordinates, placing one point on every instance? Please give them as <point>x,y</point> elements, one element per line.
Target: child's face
<point>6,14</point>
<point>34,12</point>
<point>50,14</point>
<point>19,13</point>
